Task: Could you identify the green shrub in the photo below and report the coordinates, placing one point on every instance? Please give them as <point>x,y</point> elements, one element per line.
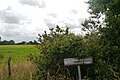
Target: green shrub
<point>54,47</point>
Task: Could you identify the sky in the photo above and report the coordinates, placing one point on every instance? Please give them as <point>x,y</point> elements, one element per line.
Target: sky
<point>23,20</point>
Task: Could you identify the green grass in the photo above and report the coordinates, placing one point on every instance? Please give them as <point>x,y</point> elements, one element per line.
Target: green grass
<point>21,68</point>
<point>17,52</point>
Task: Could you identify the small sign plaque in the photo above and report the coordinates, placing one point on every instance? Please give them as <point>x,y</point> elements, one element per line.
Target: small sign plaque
<point>78,62</point>
<point>75,61</point>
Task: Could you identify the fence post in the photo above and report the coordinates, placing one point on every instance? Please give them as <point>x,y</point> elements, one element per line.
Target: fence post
<point>9,67</point>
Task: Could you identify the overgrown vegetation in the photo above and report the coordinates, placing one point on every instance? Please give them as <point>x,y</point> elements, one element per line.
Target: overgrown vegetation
<point>54,47</point>
<point>102,43</point>
<point>21,66</point>
<point>21,70</point>
<point>109,38</point>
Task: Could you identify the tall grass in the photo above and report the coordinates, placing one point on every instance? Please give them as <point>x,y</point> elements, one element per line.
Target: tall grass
<point>19,71</point>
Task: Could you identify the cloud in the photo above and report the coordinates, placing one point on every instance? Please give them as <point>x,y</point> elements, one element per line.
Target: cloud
<point>72,24</point>
<point>53,15</point>
<point>12,23</point>
<point>42,5</point>
<point>33,3</point>
<point>49,23</point>
<point>74,11</point>
<point>11,17</point>
<point>11,33</point>
<point>24,19</point>
<point>10,30</point>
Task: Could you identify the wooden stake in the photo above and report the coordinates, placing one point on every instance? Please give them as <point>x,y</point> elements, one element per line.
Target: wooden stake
<point>9,67</point>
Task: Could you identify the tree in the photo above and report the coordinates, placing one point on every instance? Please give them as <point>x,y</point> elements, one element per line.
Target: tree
<point>109,8</point>
<point>35,42</point>
<point>0,38</point>
<point>5,42</point>
<point>22,43</point>
<point>11,42</point>
<point>30,42</point>
<point>108,33</point>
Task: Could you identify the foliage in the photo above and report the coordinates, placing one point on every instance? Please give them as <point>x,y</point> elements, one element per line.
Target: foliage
<point>102,43</point>
<point>5,42</point>
<point>12,42</point>
<point>54,47</point>
<point>107,30</point>
<point>30,43</point>
<point>102,67</point>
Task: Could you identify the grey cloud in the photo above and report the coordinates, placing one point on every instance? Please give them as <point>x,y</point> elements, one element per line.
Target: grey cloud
<point>53,15</point>
<point>42,5</point>
<point>49,23</point>
<point>73,25</point>
<point>80,20</point>
<point>18,37</point>
<point>18,34</point>
<point>10,30</point>
<point>11,26</point>
<point>9,8</point>
<point>33,3</point>
<point>11,33</point>
<point>10,17</point>
<point>11,23</point>
<point>21,38</point>
<point>74,11</point>
<point>65,24</point>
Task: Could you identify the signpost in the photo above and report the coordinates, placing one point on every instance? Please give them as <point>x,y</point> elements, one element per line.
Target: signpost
<point>78,62</point>
<point>79,72</point>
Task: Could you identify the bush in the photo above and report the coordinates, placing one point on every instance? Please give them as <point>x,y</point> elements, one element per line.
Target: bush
<point>54,47</point>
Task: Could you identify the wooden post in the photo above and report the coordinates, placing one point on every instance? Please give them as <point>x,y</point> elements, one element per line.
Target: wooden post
<point>9,67</point>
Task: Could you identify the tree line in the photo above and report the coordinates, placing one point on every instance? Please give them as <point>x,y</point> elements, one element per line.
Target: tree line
<point>12,42</point>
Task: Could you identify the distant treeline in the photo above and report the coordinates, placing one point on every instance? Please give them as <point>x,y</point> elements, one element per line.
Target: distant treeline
<point>12,42</point>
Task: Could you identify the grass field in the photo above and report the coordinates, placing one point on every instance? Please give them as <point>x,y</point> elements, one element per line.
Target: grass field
<point>21,69</point>
<point>17,52</point>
